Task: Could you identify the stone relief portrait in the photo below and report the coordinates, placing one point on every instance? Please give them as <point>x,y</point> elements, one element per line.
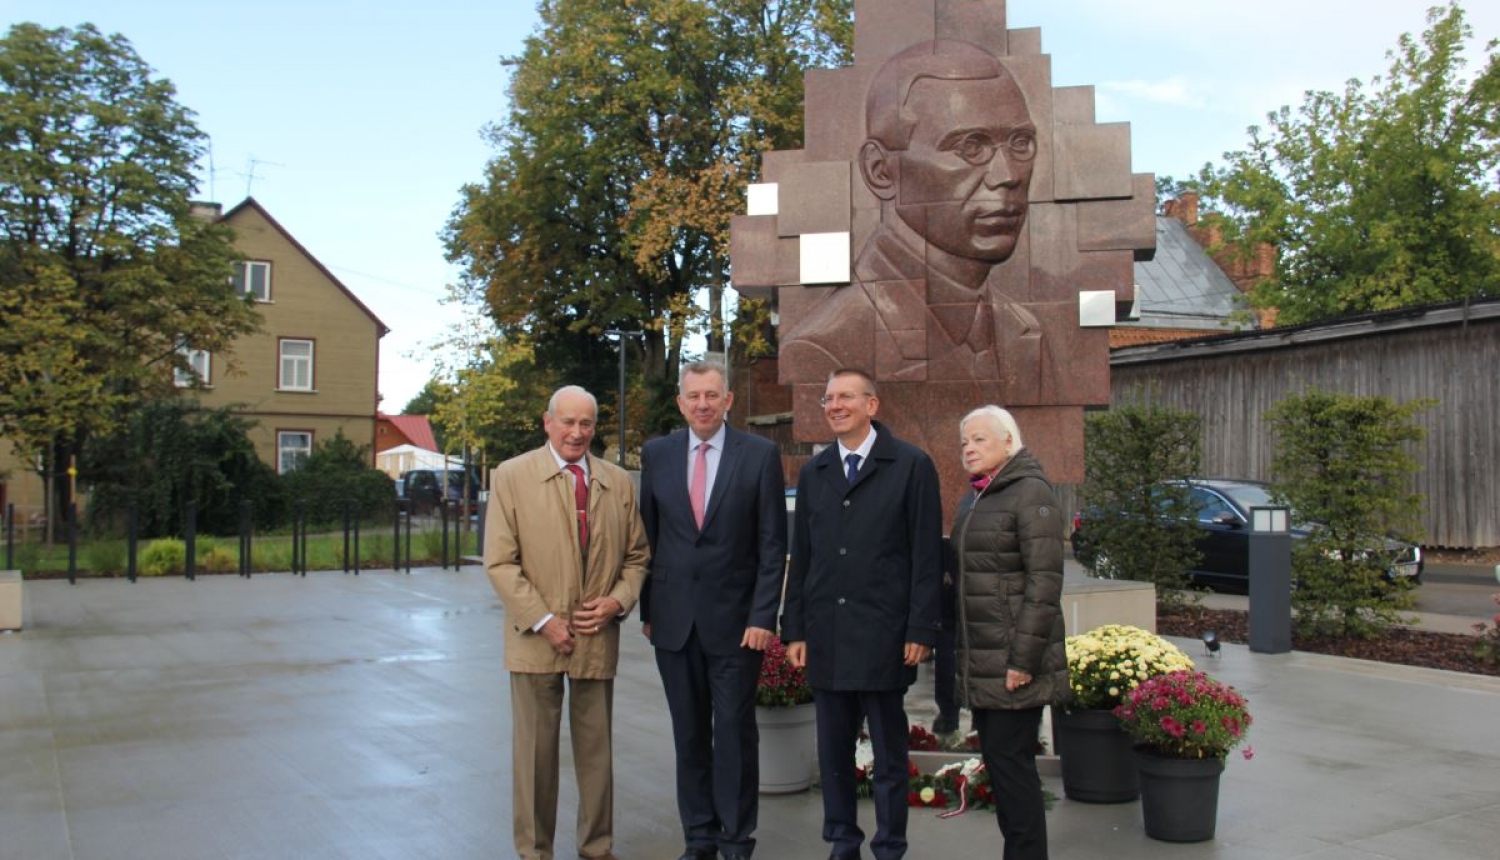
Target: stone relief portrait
<point>955,225</point>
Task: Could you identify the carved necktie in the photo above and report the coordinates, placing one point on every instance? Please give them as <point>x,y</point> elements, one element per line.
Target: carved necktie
<point>581,500</point>
<point>698,487</point>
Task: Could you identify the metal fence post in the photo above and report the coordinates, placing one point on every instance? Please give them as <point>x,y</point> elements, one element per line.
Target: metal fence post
<point>346,536</point>
<point>443,562</point>
<point>245,538</point>
<point>190,531</point>
<point>10,537</point>
<point>72,543</point>
<point>132,535</point>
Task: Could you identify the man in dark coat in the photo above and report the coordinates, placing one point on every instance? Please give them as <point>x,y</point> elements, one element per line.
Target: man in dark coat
<point>862,604</point>
<point>714,507</point>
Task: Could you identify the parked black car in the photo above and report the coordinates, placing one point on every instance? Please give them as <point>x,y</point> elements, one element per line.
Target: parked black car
<point>420,490</point>
<point>1222,511</point>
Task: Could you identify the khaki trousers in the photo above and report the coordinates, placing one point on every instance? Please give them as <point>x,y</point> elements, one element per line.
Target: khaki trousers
<point>536,735</point>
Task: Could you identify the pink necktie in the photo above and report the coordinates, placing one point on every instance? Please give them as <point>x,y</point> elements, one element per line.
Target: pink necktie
<point>698,487</point>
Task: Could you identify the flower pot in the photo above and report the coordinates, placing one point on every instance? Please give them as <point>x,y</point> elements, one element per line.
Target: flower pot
<point>1097,765</point>
<point>788,748</point>
<point>1179,796</point>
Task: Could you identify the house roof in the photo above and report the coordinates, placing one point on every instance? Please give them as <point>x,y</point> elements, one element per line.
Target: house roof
<point>250,203</point>
<point>1459,312</point>
<point>1181,287</point>
<point>416,428</point>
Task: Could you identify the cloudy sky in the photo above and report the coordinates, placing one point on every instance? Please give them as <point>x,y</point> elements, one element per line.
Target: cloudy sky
<point>355,123</point>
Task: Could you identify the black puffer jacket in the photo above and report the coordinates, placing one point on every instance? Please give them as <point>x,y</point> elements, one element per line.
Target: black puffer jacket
<point>1007,544</point>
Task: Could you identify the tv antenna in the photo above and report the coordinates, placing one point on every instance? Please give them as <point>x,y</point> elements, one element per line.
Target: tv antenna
<point>249,175</point>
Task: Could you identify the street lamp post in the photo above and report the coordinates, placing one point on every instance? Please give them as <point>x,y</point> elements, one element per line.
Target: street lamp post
<point>620,403</point>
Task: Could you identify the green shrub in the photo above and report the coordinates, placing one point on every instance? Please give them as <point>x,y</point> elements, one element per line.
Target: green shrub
<point>338,474</point>
<point>105,556</point>
<point>161,557</point>
<point>215,559</point>
<point>1343,462</point>
<point>1138,517</point>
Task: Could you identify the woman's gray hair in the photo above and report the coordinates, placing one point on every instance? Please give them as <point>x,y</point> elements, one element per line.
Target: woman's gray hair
<point>1001,419</point>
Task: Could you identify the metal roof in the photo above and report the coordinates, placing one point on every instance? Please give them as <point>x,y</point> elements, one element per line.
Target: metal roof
<point>1182,287</point>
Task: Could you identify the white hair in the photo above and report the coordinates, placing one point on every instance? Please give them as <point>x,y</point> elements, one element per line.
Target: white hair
<point>570,389</point>
<point>1002,421</point>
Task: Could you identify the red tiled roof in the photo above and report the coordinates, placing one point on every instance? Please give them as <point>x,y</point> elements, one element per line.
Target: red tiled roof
<point>416,429</point>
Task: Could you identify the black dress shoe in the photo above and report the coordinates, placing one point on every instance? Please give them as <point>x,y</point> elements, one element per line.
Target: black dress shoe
<point>699,854</point>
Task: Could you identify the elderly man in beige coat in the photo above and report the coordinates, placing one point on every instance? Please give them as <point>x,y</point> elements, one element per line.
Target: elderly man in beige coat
<point>566,551</point>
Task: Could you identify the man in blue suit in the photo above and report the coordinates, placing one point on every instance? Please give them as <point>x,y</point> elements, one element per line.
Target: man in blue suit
<point>862,604</point>
<point>713,502</point>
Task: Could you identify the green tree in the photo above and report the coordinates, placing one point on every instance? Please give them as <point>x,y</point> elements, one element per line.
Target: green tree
<point>1137,461</point>
<point>106,274</point>
<point>168,452</point>
<point>632,132</point>
<point>1380,196</point>
<point>1344,463</point>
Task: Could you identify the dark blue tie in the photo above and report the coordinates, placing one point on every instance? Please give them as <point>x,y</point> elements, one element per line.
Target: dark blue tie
<point>853,461</point>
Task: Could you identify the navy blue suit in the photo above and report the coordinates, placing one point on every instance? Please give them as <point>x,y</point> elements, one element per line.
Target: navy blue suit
<point>706,586</point>
<point>865,579</point>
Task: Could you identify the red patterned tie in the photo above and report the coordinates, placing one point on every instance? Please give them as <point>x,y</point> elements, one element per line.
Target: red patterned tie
<point>581,498</point>
<point>698,487</point>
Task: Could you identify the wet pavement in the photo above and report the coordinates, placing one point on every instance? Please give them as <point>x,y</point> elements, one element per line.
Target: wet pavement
<point>336,716</point>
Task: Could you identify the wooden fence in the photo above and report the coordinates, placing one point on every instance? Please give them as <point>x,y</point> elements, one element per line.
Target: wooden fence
<point>1449,353</point>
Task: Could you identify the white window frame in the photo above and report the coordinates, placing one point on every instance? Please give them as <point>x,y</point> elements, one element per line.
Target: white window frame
<point>242,275</point>
<point>201,363</point>
<point>295,372</point>
<point>293,447</point>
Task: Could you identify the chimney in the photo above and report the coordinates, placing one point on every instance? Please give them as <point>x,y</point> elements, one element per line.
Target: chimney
<point>205,211</point>
<point>1184,208</point>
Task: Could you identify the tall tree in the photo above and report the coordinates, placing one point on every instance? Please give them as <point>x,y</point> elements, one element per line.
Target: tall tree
<point>105,274</point>
<point>632,132</point>
<point>1381,196</point>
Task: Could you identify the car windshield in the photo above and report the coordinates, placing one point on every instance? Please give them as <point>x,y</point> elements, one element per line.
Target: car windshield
<point>1249,496</point>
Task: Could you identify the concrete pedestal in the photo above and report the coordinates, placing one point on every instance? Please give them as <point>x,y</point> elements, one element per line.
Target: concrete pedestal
<point>10,600</point>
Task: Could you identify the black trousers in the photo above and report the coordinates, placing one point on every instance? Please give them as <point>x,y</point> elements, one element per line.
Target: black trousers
<point>1007,741</point>
<point>712,701</point>
<point>840,714</point>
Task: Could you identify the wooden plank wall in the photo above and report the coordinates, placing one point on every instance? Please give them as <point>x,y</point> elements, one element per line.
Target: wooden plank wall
<point>1456,365</point>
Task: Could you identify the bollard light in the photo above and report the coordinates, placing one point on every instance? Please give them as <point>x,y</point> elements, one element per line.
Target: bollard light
<point>1270,520</point>
<point>1210,643</point>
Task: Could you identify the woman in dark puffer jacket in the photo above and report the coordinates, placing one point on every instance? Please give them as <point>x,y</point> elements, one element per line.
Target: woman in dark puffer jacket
<point>1007,540</point>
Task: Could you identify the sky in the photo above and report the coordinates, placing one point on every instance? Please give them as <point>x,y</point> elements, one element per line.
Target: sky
<point>355,124</point>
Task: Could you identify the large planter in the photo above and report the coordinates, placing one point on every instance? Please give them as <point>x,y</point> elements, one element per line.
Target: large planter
<point>1097,763</point>
<point>1179,796</point>
<point>788,748</point>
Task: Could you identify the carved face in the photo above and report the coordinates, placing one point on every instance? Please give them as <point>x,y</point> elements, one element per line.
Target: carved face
<point>962,181</point>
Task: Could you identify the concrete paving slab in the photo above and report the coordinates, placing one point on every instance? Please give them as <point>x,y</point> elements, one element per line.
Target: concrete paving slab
<point>335,716</point>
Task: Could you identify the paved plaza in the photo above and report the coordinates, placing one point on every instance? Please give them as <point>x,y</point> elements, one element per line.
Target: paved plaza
<point>367,717</point>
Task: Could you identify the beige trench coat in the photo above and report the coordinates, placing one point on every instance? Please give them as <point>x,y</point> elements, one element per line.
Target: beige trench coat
<point>532,557</point>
